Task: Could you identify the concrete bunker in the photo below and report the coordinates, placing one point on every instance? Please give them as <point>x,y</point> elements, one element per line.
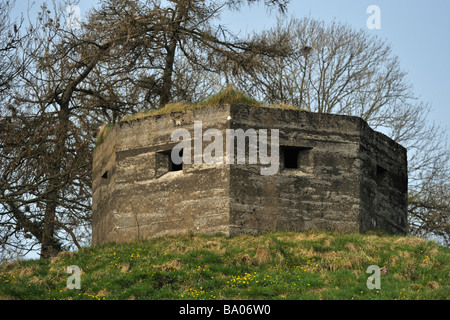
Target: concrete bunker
<point>335,173</point>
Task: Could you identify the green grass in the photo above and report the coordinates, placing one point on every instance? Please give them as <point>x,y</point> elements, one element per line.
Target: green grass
<point>275,265</point>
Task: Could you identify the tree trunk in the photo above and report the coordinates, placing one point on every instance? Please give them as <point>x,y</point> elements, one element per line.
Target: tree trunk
<point>179,15</point>
<point>50,247</point>
<point>168,71</point>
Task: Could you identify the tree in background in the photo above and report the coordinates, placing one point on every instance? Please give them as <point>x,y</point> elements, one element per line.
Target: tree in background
<point>333,68</point>
<point>10,41</point>
<point>44,189</point>
<point>124,58</point>
<point>60,84</point>
<point>166,47</point>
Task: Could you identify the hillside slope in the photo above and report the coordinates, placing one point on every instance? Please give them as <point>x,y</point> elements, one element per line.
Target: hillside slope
<point>276,265</point>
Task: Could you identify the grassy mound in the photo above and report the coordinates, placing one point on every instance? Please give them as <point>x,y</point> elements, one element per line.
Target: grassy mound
<point>276,265</point>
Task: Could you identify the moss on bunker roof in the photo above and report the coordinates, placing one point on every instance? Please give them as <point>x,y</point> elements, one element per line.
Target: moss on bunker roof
<point>226,96</point>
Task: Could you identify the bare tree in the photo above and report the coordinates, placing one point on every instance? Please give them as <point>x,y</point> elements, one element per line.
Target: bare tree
<point>334,68</point>
<point>45,144</point>
<point>429,204</point>
<point>11,38</point>
<point>124,58</point>
<point>175,40</point>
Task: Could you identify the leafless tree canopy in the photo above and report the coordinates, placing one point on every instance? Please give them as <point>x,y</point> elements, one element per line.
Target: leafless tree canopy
<point>59,85</point>
<point>128,55</point>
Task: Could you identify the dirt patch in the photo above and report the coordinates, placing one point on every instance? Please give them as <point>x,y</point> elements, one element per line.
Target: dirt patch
<point>169,266</point>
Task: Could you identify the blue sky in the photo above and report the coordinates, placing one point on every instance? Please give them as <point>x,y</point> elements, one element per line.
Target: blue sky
<point>418,31</point>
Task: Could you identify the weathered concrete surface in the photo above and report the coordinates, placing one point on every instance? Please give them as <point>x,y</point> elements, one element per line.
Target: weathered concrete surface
<point>349,178</point>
